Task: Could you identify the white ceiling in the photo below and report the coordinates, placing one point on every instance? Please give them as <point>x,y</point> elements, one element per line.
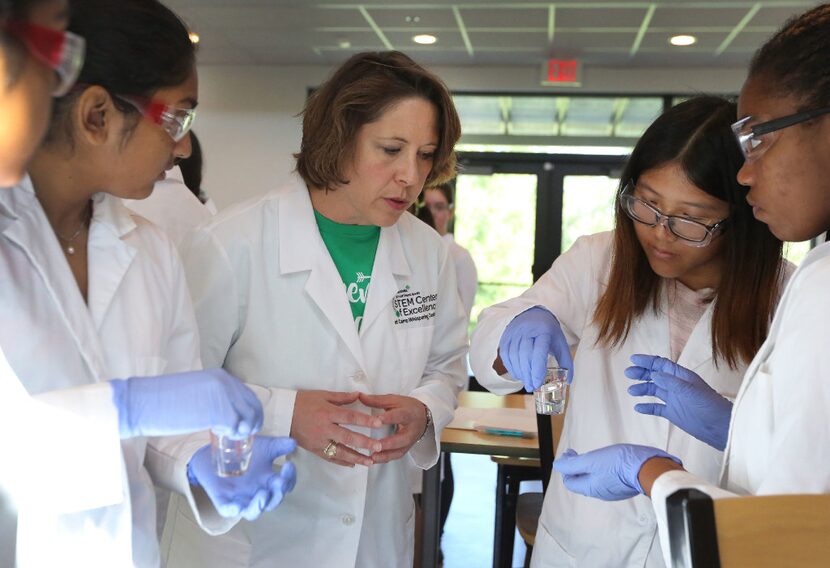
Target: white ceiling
<point>619,33</point>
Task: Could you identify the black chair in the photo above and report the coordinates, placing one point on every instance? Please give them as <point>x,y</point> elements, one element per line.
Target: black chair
<point>759,532</point>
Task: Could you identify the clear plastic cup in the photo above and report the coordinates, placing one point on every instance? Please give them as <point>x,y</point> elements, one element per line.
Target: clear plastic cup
<point>550,397</point>
<point>231,456</point>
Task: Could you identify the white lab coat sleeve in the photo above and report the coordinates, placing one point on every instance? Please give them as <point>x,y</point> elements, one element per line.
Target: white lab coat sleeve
<point>219,293</point>
<point>467,281</point>
<point>445,373</point>
<point>664,487</point>
<point>568,290</point>
<point>167,457</point>
<point>68,426</point>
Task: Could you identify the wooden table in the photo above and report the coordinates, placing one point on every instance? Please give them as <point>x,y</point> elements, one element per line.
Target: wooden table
<point>467,442</point>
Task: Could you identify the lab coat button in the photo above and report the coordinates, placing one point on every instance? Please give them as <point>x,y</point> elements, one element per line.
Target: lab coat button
<point>644,519</point>
<point>348,520</point>
<point>359,376</point>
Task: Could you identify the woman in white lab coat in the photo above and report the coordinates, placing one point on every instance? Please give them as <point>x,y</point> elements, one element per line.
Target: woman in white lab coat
<point>109,300</point>
<point>676,277</point>
<point>779,435</point>
<point>364,377</point>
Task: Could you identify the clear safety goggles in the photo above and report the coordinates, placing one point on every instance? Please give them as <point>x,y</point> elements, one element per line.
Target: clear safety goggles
<point>692,233</point>
<point>755,139</point>
<point>177,122</point>
<point>61,51</point>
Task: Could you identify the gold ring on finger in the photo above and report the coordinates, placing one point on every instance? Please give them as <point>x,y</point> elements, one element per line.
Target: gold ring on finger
<point>331,449</point>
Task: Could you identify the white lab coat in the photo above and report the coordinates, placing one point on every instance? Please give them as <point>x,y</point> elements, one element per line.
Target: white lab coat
<point>272,308</point>
<point>575,530</point>
<point>172,207</point>
<point>53,423</point>
<point>779,437</point>
<point>138,321</point>
<point>466,273</point>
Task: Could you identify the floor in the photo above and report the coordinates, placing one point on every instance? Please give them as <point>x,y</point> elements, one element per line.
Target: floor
<point>468,534</point>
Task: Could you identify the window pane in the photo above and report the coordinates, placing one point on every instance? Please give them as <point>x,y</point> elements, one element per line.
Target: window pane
<point>495,219</point>
<point>587,206</point>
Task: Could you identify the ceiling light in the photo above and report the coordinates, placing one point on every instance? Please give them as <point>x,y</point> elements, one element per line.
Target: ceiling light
<point>344,43</point>
<point>683,40</point>
<point>424,39</point>
<point>194,37</point>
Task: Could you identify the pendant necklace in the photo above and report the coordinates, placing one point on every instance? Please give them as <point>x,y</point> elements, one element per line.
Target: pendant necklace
<point>69,248</point>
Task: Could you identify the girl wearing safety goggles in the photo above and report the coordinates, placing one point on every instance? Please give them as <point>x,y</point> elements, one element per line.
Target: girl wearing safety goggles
<point>93,292</point>
<point>38,60</point>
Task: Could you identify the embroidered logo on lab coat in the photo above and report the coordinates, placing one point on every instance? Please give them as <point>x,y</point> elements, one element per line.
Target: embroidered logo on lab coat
<point>413,306</point>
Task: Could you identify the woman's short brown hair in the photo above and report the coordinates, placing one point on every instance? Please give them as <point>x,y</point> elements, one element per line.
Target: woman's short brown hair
<point>358,93</point>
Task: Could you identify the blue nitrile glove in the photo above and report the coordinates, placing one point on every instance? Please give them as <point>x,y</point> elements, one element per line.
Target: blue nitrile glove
<point>526,343</point>
<point>691,404</point>
<point>609,473</point>
<point>186,402</point>
<point>259,489</point>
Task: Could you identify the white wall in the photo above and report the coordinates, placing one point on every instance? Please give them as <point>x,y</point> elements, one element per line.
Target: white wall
<point>248,126</point>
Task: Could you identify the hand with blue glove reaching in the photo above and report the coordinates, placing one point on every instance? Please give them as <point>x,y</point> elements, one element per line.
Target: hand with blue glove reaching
<point>257,490</point>
<point>690,403</point>
<point>186,402</point>
<point>610,473</point>
<point>526,343</point>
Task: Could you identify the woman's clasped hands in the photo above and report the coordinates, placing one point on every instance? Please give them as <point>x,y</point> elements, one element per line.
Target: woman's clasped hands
<point>323,420</point>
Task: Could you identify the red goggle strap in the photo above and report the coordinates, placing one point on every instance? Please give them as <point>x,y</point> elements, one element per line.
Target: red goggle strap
<point>45,43</point>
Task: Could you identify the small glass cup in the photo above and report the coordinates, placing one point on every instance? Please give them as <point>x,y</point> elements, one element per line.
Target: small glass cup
<point>231,456</point>
<point>550,397</point>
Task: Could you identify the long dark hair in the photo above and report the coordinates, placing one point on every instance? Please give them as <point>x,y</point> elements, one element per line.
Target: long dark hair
<point>133,47</point>
<point>696,134</point>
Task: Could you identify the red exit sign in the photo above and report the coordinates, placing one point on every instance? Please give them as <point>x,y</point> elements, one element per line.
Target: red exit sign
<point>561,72</point>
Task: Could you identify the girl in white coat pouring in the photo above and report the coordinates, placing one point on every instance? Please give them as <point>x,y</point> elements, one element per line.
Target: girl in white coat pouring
<point>343,310</point>
<point>686,273</point>
<point>109,300</point>
<point>778,435</point>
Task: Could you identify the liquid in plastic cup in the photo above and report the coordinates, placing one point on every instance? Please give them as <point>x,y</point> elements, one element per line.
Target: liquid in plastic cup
<point>550,397</point>
<point>231,456</point>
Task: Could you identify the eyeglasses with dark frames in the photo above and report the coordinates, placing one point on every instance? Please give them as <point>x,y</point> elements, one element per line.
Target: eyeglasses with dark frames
<point>750,136</point>
<point>690,232</point>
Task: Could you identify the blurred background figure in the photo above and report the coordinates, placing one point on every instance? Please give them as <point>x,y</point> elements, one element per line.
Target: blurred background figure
<point>439,201</point>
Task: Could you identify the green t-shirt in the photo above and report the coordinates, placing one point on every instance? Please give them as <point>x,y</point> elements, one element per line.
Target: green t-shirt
<point>352,248</point>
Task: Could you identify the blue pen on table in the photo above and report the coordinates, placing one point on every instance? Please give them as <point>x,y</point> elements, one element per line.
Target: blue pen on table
<point>504,432</point>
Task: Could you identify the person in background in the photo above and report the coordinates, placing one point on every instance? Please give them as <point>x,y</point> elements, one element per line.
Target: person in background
<point>112,284</point>
<point>192,169</point>
<point>776,433</point>
<point>342,308</point>
<point>439,200</point>
<point>687,273</point>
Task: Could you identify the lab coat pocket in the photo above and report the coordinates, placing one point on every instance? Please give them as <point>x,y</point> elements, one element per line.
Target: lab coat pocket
<point>547,552</point>
<point>188,546</point>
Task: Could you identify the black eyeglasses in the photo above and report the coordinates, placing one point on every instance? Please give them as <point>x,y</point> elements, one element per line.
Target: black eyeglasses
<point>749,135</point>
<point>692,233</point>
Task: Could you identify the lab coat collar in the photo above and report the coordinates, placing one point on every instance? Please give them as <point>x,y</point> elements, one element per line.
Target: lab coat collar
<point>110,252</point>
<point>390,270</point>
<point>25,224</point>
<point>302,249</point>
